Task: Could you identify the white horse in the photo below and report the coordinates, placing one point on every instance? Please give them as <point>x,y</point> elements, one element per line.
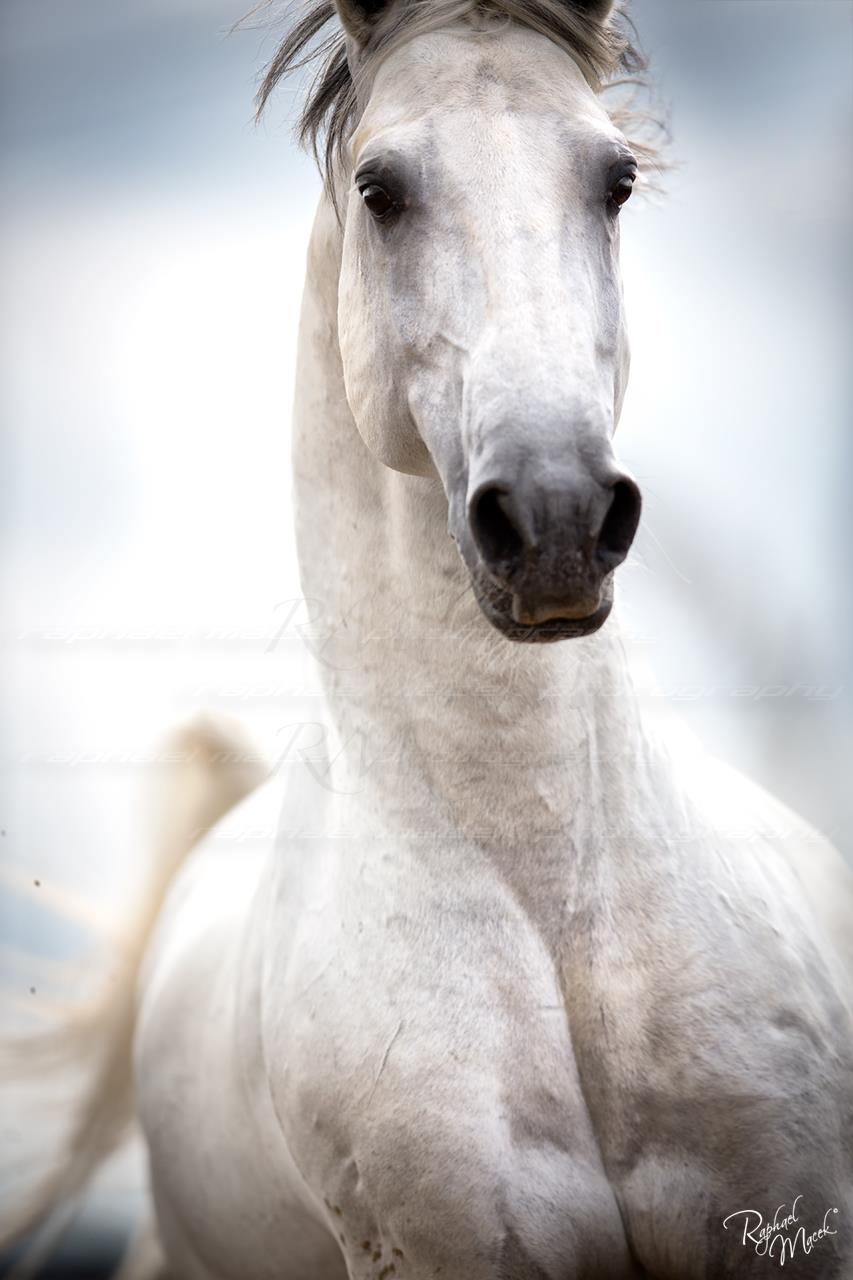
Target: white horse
<point>521,993</point>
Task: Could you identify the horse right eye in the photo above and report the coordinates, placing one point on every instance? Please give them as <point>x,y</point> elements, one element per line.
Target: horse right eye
<point>377,200</point>
<point>621,190</point>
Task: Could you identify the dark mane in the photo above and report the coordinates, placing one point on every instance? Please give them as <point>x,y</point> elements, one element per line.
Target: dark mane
<point>606,54</point>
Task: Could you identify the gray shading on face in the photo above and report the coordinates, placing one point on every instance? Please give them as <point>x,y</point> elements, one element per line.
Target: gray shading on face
<point>481,315</point>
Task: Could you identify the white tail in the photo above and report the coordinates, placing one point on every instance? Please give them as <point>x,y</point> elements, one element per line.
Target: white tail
<point>211,767</point>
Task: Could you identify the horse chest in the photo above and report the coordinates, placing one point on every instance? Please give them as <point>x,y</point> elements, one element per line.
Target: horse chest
<point>426,1083</point>
<point>432,1092</point>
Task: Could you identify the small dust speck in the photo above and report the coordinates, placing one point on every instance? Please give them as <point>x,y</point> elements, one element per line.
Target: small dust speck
<point>32,991</point>
<point>37,883</point>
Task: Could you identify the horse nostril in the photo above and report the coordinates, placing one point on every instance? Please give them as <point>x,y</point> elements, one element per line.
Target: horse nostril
<point>620,524</point>
<point>496,526</point>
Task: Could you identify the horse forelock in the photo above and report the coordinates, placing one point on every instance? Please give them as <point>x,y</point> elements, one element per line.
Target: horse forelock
<point>606,53</point>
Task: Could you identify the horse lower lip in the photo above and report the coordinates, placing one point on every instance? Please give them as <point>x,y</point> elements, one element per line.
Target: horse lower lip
<point>529,614</point>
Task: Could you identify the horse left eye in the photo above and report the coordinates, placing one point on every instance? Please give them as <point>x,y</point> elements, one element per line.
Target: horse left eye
<point>622,190</point>
<point>377,200</point>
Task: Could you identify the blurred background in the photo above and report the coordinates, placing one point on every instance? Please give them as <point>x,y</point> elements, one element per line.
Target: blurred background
<point>152,242</point>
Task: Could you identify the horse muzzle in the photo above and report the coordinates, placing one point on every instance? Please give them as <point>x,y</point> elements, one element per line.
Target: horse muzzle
<point>542,545</point>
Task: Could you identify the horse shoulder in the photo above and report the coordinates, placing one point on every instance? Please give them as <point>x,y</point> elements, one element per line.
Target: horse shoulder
<point>725,1031</point>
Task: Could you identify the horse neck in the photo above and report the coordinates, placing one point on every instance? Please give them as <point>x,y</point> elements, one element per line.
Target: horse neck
<point>445,725</point>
